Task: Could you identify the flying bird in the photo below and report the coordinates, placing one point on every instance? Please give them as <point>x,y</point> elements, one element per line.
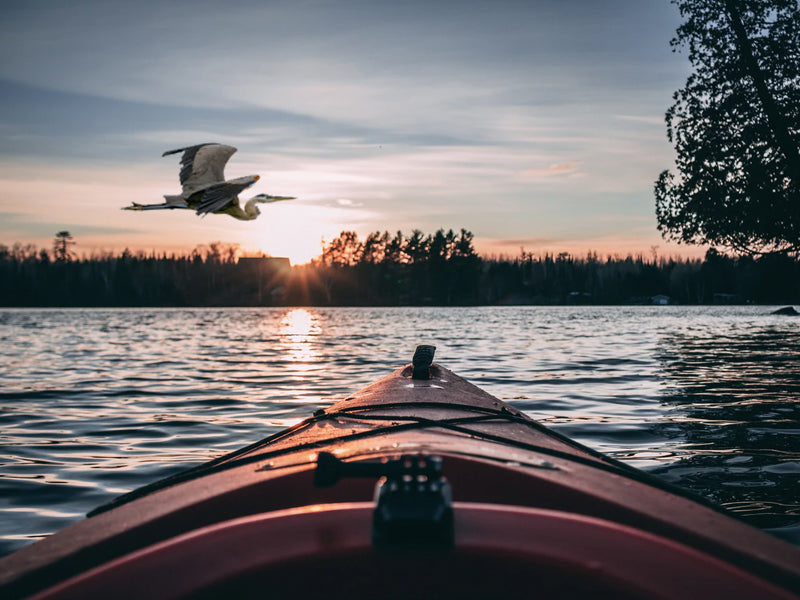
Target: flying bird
<point>204,188</point>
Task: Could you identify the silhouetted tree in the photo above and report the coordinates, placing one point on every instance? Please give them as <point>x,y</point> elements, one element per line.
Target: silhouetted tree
<point>61,244</point>
<point>375,247</point>
<point>344,250</point>
<point>736,126</point>
<point>394,250</point>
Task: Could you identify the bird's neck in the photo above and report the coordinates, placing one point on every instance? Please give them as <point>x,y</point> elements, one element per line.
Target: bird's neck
<point>249,213</point>
<point>251,210</point>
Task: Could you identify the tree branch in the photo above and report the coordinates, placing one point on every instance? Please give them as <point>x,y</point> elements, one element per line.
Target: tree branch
<point>777,123</point>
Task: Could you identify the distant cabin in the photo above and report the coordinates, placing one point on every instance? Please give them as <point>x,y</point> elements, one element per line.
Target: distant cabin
<point>264,265</point>
<point>660,299</point>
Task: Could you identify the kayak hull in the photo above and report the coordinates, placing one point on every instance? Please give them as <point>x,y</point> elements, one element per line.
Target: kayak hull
<point>567,554</point>
<point>526,501</point>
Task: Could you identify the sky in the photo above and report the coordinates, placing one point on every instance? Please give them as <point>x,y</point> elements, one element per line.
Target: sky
<point>535,124</point>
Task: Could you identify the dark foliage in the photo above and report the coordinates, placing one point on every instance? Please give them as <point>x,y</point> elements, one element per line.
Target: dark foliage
<point>61,244</point>
<point>385,270</point>
<point>440,269</point>
<point>736,127</point>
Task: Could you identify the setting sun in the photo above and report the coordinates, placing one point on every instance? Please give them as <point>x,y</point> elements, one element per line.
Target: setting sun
<point>296,231</point>
<point>299,249</point>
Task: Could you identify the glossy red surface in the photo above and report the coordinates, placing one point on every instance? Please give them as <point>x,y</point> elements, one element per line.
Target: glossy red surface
<point>326,551</point>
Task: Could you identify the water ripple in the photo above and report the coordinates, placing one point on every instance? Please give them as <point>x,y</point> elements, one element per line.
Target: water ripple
<point>94,403</point>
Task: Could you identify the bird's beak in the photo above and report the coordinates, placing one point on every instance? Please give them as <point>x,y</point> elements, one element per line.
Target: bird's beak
<point>256,177</point>
<point>269,198</point>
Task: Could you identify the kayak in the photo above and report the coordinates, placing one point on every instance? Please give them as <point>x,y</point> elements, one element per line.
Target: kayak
<point>420,485</point>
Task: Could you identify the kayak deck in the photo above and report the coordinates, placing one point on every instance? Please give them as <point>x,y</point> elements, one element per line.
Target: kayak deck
<point>526,501</point>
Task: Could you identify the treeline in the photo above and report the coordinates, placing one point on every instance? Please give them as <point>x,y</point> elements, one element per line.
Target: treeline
<point>387,270</point>
<point>440,269</point>
<point>717,279</point>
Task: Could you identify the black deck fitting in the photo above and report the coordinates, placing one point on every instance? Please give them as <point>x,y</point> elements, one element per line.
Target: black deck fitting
<point>423,358</point>
<point>330,469</point>
<point>413,499</point>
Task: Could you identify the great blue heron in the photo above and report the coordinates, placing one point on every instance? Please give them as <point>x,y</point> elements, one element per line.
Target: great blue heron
<point>204,188</point>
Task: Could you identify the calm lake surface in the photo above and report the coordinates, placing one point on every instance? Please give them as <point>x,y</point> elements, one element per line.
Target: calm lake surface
<point>97,402</point>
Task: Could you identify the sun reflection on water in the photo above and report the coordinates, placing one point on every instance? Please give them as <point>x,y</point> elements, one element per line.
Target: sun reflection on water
<point>299,321</point>
<point>298,329</point>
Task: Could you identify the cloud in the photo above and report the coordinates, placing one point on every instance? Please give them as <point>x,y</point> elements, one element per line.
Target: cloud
<point>646,119</point>
<point>35,226</point>
<point>508,118</point>
<point>521,242</point>
<point>611,245</point>
<point>390,64</point>
<point>562,169</point>
<point>347,203</point>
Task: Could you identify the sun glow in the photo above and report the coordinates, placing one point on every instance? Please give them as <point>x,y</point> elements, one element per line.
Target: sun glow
<point>299,250</point>
<point>295,231</point>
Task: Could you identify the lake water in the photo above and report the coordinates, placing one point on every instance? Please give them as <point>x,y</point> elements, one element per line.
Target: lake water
<point>94,403</point>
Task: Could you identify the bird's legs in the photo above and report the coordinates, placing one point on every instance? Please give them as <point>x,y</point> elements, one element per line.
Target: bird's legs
<point>171,202</point>
<point>136,206</point>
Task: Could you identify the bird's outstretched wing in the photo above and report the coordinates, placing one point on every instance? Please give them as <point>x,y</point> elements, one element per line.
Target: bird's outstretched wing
<point>202,165</point>
<point>217,197</point>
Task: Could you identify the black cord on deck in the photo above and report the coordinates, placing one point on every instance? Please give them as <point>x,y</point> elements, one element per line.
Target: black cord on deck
<point>455,425</point>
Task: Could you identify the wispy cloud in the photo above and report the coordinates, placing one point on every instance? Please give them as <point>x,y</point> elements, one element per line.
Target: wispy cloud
<point>513,119</point>
<point>36,227</point>
<point>647,119</point>
<point>563,169</point>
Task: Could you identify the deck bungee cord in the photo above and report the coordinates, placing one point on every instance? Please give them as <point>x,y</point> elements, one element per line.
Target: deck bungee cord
<point>250,455</point>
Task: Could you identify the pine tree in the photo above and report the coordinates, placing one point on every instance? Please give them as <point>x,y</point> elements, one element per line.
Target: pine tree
<point>61,244</point>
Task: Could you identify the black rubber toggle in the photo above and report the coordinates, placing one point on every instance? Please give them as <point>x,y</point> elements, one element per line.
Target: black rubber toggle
<point>423,358</point>
<point>413,500</point>
<point>414,508</point>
